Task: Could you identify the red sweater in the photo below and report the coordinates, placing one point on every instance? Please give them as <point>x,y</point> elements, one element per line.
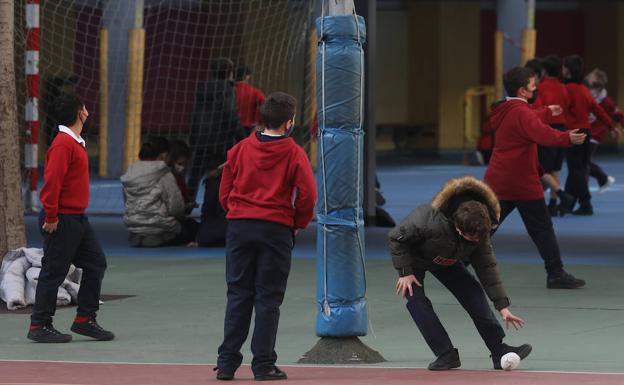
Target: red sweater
<point>65,179</point>
<point>271,181</point>
<point>514,171</point>
<point>581,104</point>
<point>552,92</point>
<point>248,100</point>
<point>598,128</point>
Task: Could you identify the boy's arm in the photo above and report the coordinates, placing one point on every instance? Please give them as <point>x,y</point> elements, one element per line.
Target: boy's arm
<point>601,114</point>
<point>484,263</point>
<point>403,238</point>
<point>306,193</point>
<point>56,166</point>
<point>541,133</point>
<point>225,187</point>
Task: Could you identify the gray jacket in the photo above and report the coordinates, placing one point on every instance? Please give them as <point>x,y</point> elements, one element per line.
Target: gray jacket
<point>427,239</point>
<point>154,203</point>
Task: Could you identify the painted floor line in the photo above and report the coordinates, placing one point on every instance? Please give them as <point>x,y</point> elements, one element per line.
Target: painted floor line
<point>305,366</point>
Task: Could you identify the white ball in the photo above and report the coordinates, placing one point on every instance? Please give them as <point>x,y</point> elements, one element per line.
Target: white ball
<point>510,361</point>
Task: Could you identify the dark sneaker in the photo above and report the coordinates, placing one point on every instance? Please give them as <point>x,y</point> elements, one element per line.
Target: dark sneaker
<point>566,203</point>
<point>584,210</point>
<point>446,361</point>
<point>48,334</point>
<point>273,375</point>
<point>91,329</point>
<point>522,351</point>
<point>564,280</point>
<point>222,375</point>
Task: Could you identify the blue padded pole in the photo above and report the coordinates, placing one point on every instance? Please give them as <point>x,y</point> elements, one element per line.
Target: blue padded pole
<point>341,277</point>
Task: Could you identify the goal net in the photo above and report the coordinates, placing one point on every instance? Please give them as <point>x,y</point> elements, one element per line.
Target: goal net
<point>143,68</point>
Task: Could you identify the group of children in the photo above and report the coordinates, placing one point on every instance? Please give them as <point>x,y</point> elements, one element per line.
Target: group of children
<point>268,192</point>
<point>584,105</point>
<point>226,110</point>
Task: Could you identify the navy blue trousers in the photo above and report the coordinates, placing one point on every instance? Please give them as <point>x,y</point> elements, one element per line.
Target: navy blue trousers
<point>258,256</point>
<point>74,242</point>
<point>468,291</point>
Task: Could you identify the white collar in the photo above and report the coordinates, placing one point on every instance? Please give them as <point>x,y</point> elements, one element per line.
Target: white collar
<point>71,133</point>
<point>508,98</point>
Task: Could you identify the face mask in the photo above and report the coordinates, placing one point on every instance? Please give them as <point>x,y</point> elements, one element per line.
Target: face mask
<point>533,98</point>
<point>178,169</point>
<point>85,125</point>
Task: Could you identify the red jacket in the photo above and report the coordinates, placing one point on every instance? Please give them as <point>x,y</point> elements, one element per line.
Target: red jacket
<point>65,179</point>
<point>514,171</point>
<point>552,92</point>
<point>271,181</point>
<point>248,100</point>
<point>598,128</point>
<point>581,104</point>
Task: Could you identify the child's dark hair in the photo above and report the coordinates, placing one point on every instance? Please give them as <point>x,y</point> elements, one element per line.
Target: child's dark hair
<point>517,78</point>
<point>574,64</point>
<point>160,144</point>
<point>221,68</point>
<point>242,71</point>
<point>179,149</point>
<point>278,108</point>
<point>552,65</point>
<point>148,151</point>
<point>66,109</point>
<point>536,65</point>
<point>473,218</point>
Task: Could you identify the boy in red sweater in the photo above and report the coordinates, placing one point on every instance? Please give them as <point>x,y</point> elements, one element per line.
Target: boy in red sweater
<point>597,81</point>
<point>268,192</point>
<point>68,236</point>
<point>248,99</point>
<point>514,170</point>
<point>553,92</point>
<point>577,117</point>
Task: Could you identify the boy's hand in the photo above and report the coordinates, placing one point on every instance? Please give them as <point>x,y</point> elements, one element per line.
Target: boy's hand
<point>509,318</point>
<point>404,284</point>
<point>555,109</point>
<point>616,133</point>
<point>577,137</point>
<point>50,227</point>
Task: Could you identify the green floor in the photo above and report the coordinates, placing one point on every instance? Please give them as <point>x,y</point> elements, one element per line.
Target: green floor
<point>177,317</point>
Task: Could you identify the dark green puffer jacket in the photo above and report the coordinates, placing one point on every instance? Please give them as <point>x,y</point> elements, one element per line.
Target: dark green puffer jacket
<point>427,239</point>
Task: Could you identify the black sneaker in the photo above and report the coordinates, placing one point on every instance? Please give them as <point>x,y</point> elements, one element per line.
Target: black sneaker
<point>564,280</point>
<point>522,351</point>
<point>566,203</point>
<point>92,329</point>
<point>273,375</point>
<point>48,334</point>
<point>222,375</point>
<point>584,210</point>
<point>446,361</point>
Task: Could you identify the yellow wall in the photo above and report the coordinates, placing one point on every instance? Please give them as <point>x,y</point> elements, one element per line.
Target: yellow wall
<point>392,73</point>
<point>422,59</point>
<point>428,55</point>
<point>459,67</point>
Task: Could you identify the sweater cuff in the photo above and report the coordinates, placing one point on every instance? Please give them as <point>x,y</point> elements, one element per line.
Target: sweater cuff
<point>405,271</point>
<point>501,303</point>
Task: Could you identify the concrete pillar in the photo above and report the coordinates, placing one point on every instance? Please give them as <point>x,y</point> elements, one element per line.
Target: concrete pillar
<point>511,18</point>
<point>118,17</point>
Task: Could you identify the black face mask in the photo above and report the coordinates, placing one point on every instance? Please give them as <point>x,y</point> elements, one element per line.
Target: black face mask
<point>533,98</point>
<point>85,126</point>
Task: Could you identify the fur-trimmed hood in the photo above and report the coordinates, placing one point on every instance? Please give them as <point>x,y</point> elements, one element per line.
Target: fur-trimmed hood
<point>458,190</point>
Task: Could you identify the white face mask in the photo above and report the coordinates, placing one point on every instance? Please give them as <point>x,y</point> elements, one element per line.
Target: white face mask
<point>178,169</point>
